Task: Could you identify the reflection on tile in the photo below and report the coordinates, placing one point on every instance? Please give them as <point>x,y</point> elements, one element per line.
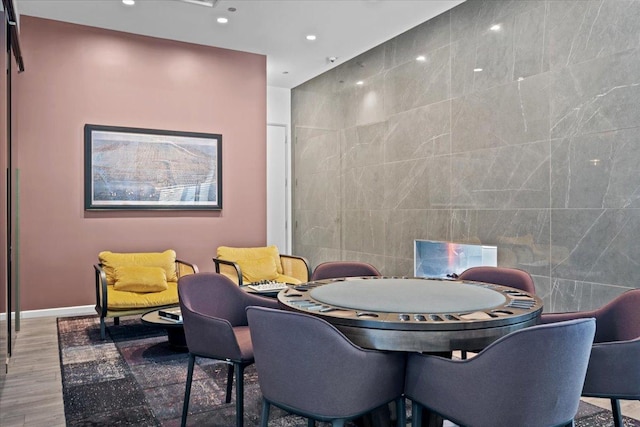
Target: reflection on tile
<point>362,145</point>
<point>320,191</point>
<point>317,228</point>
<point>528,49</point>
<point>406,225</point>
<point>597,96</point>
<point>522,236</point>
<point>474,18</point>
<point>369,64</point>
<point>598,245</point>
<point>536,152</point>
<point>418,41</point>
<point>511,114</point>
<point>593,171</point>
<point>364,231</point>
<point>582,30</point>
<point>502,178</point>
<point>572,295</point>
<point>416,84</point>
<point>363,188</point>
<point>417,184</point>
<point>422,132</point>
<point>365,101</point>
<point>316,149</point>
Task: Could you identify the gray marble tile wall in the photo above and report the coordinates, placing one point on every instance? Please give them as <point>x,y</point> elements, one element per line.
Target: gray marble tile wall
<point>514,123</point>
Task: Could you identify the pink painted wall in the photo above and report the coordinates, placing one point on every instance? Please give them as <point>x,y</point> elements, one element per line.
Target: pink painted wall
<point>76,75</point>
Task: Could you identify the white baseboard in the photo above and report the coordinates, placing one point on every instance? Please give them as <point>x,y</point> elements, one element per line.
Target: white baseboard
<point>81,310</point>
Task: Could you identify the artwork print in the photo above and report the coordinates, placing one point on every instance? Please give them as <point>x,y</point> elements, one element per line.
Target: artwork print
<point>131,168</point>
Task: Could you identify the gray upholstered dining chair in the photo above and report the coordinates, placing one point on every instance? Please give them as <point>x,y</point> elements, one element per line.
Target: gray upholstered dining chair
<point>335,269</point>
<point>504,276</point>
<point>614,366</point>
<point>531,377</point>
<point>215,327</point>
<point>330,378</point>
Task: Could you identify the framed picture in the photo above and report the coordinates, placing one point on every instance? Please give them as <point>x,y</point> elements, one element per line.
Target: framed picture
<point>131,168</point>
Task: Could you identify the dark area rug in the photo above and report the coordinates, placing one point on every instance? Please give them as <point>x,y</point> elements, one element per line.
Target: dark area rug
<point>133,378</point>
<point>594,416</point>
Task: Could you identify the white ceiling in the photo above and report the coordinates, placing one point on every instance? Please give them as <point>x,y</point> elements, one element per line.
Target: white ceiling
<point>275,28</point>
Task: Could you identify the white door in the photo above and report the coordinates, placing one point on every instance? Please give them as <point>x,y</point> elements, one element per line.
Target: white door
<point>277,187</point>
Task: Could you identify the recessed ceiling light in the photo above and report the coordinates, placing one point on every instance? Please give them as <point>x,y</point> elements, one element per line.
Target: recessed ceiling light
<point>129,2</point>
<point>222,20</point>
<point>421,58</point>
<point>477,70</point>
<point>496,27</point>
<point>359,82</point>
<point>311,37</point>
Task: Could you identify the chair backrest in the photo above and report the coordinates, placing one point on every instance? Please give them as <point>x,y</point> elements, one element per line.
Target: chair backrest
<point>504,276</point>
<point>334,269</point>
<point>533,376</point>
<point>213,315</point>
<point>213,295</point>
<point>329,375</point>
<point>552,357</point>
<point>543,371</point>
<point>619,320</point>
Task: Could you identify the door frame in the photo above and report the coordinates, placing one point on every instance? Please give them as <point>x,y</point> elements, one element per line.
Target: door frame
<point>288,234</point>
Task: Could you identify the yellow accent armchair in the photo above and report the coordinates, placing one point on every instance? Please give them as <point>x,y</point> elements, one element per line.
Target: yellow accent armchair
<point>134,283</point>
<point>246,265</point>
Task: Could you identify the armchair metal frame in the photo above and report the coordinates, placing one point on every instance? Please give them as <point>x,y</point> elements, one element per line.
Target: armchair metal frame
<point>101,307</point>
<point>219,263</point>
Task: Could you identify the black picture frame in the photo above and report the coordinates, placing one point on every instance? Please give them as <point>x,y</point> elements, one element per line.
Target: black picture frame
<point>150,169</point>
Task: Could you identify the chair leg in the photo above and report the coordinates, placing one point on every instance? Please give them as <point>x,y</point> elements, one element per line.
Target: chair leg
<point>187,390</point>
<point>463,354</point>
<point>116,321</point>
<point>102,329</point>
<point>401,412</point>
<point>416,414</point>
<point>337,423</point>
<point>617,414</point>
<point>311,422</point>
<point>229,383</point>
<point>239,394</point>
<point>264,420</point>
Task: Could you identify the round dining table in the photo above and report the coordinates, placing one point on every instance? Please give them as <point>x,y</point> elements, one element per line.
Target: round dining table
<point>416,314</point>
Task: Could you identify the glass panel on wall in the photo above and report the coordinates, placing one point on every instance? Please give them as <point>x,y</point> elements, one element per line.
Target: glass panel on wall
<point>447,259</point>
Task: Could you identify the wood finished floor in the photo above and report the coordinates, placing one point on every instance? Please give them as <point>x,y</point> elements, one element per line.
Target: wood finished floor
<point>31,394</point>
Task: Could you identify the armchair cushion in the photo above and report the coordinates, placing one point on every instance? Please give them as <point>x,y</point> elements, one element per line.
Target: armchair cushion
<point>234,254</point>
<point>125,300</point>
<point>255,269</point>
<point>138,278</point>
<point>165,260</point>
